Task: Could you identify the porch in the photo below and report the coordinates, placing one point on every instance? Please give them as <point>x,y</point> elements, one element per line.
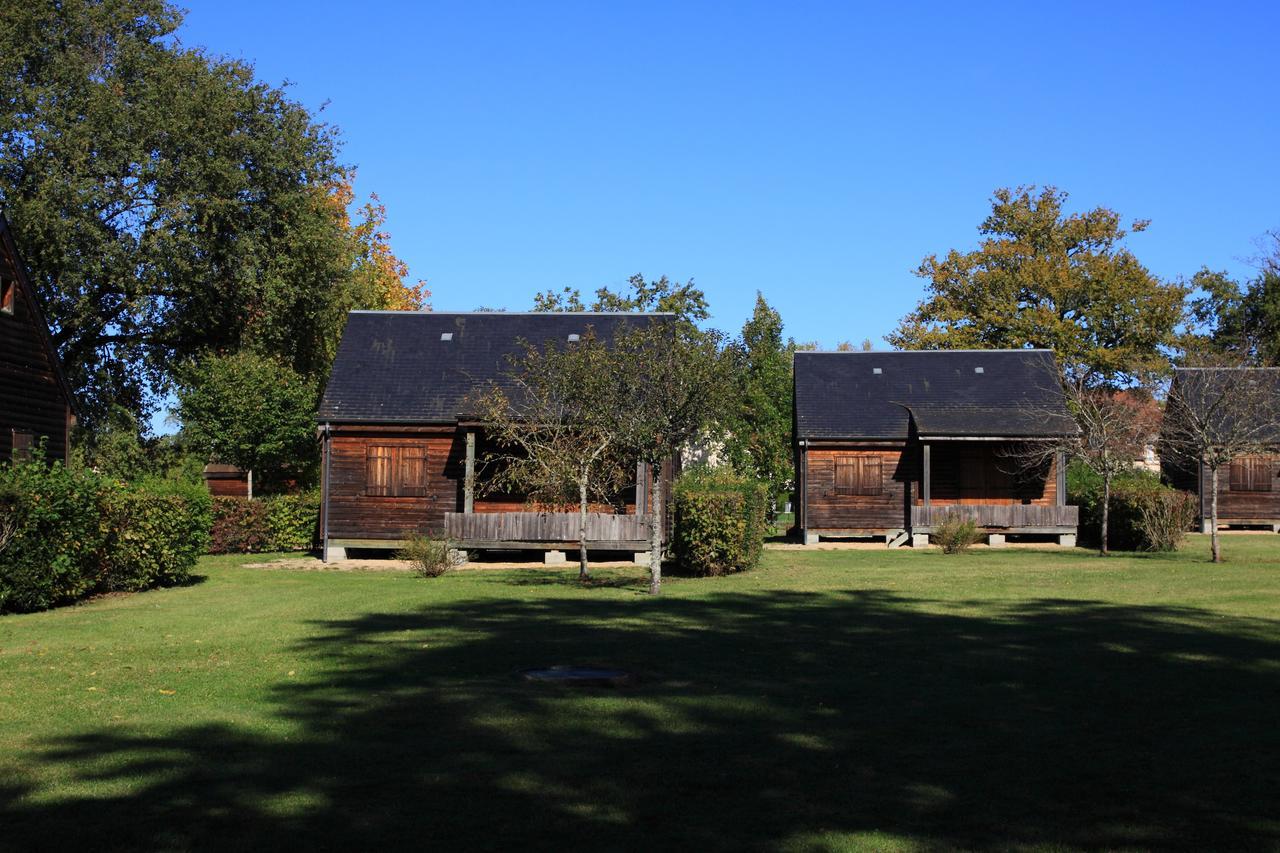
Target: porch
<point>551,531</point>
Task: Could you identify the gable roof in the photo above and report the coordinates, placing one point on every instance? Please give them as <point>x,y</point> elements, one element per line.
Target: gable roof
<point>395,366</point>
<point>878,395</point>
<point>26,291</point>
<point>1203,388</point>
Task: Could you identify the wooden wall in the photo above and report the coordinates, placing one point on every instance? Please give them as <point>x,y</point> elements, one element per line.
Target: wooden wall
<point>31,397</point>
<point>826,510</point>
<point>962,473</point>
<point>351,514</point>
<point>1244,506</point>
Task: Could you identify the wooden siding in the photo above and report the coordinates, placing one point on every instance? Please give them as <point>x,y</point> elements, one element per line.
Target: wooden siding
<point>972,472</point>
<point>1237,506</point>
<point>351,513</point>
<point>825,509</point>
<point>31,396</point>
<point>1001,516</point>
<point>545,527</point>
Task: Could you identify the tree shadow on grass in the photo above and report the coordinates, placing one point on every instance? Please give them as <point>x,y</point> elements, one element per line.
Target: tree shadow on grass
<point>761,720</point>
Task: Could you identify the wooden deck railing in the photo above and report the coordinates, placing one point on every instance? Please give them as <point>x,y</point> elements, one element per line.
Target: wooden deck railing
<point>534,528</point>
<point>1022,516</point>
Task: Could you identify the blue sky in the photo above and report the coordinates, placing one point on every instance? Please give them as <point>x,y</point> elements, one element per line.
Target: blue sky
<point>815,152</point>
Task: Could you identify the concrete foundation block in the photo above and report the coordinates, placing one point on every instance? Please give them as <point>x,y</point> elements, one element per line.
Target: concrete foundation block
<point>1275,528</point>
<point>1067,540</point>
<point>333,552</point>
<point>995,540</point>
<point>1206,526</point>
<point>555,558</point>
<point>919,540</point>
<point>641,558</point>
<point>811,538</point>
<point>457,557</point>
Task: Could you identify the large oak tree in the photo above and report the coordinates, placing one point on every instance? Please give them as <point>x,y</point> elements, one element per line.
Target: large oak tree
<point>1042,277</point>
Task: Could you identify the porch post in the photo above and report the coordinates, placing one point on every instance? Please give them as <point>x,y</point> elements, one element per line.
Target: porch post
<point>1061,485</point>
<point>642,493</point>
<point>927,476</point>
<point>469,480</point>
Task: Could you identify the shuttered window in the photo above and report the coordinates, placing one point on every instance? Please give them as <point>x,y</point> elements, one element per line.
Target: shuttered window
<point>393,471</point>
<point>1251,474</point>
<point>858,475</point>
<point>24,442</point>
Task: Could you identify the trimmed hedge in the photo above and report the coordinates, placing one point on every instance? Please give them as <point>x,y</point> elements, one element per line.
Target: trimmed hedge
<point>276,523</point>
<point>1145,514</point>
<point>720,521</point>
<point>78,533</point>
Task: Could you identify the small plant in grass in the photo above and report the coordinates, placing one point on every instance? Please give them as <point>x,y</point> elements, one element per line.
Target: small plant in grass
<point>956,533</point>
<point>429,557</point>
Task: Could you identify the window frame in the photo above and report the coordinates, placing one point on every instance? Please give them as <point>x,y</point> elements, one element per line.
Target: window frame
<point>1251,474</point>
<point>26,449</point>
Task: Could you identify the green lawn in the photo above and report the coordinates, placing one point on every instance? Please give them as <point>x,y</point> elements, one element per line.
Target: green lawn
<point>853,699</point>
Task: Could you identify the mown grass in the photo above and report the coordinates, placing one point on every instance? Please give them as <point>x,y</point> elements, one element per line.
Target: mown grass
<point>828,700</point>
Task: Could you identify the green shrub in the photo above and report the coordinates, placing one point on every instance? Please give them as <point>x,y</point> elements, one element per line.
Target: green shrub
<point>1144,512</point>
<point>276,523</point>
<point>239,526</point>
<point>429,557</point>
<point>56,554</point>
<point>159,529</point>
<point>291,521</point>
<point>955,533</point>
<point>720,521</point>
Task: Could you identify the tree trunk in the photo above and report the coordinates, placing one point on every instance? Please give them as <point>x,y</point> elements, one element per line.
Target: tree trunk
<point>1216,545</point>
<point>655,529</point>
<point>1106,512</point>
<point>584,571</point>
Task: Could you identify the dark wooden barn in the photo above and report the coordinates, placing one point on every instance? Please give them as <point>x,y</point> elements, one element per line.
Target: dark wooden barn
<point>889,443</point>
<point>403,453</point>
<point>35,400</point>
<point>1248,488</point>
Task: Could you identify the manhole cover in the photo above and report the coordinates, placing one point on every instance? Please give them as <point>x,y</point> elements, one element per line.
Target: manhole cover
<point>580,676</point>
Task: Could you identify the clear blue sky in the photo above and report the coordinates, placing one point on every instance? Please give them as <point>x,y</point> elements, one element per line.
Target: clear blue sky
<point>815,152</point>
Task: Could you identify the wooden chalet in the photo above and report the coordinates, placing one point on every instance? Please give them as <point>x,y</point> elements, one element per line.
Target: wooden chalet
<point>403,453</point>
<point>35,400</point>
<point>888,444</point>
<point>1249,488</point>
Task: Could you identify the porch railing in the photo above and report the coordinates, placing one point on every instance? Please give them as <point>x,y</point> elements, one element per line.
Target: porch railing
<point>545,527</point>
<point>1023,516</point>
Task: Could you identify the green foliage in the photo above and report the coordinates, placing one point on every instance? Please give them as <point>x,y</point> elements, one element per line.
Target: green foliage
<point>159,530</point>
<point>686,301</point>
<point>1145,514</point>
<point>275,523</point>
<point>720,521</point>
<point>1240,320</point>
<point>253,412</point>
<point>291,521</point>
<point>78,532</point>
<point>955,533</point>
<point>1043,278</point>
<point>429,557</point>
<point>757,421</point>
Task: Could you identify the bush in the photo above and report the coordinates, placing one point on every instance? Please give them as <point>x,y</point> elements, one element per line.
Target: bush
<point>430,557</point>
<point>159,529</point>
<point>77,533</point>
<point>1145,514</point>
<point>276,523</point>
<point>955,533</point>
<point>720,521</point>
<point>56,553</point>
<point>239,526</point>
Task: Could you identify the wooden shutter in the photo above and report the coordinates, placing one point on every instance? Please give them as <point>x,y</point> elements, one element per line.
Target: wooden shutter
<point>24,443</point>
<point>869,477</point>
<point>858,475</point>
<point>379,471</point>
<point>1250,474</point>
<point>847,475</point>
<point>412,481</point>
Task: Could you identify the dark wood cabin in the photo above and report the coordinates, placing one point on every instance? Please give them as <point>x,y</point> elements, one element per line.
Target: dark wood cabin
<point>227,481</point>
<point>403,454</point>
<point>888,444</point>
<point>1249,487</point>
<point>35,400</point>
